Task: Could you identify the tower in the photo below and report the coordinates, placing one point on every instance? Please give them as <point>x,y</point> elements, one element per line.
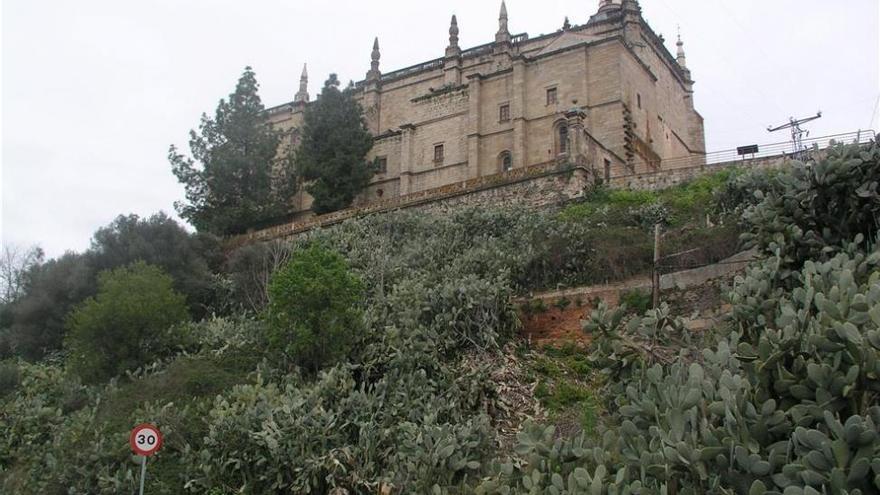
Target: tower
<point>680,57</point>
<point>302,96</point>
<point>502,37</point>
<point>452,63</point>
<point>375,55</point>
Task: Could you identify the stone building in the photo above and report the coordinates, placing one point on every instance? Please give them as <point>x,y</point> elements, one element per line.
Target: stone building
<point>606,95</point>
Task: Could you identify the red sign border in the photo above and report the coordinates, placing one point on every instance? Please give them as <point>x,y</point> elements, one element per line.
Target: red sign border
<point>138,450</point>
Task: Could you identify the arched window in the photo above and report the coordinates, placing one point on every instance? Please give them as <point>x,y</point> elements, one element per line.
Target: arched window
<point>561,138</point>
<point>505,161</point>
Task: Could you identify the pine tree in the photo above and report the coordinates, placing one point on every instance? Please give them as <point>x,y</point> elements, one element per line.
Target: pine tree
<point>234,179</point>
<point>334,143</point>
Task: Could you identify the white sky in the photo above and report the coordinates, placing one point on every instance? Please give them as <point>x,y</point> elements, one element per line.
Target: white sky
<point>94,91</point>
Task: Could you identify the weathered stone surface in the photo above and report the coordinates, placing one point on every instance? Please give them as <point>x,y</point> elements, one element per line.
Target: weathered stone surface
<point>535,186</point>
<point>634,107</point>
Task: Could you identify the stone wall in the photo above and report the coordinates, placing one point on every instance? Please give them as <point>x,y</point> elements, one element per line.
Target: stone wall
<point>536,186</point>
<point>667,178</point>
<point>540,185</point>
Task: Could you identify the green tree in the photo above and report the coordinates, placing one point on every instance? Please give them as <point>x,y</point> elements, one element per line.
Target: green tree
<point>126,324</point>
<point>15,264</point>
<point>36,319</point>
<point>313,312</point>
<point>335,141</point>
<point>159,240</point>
<point>33,324</point>
<point>234,179</point>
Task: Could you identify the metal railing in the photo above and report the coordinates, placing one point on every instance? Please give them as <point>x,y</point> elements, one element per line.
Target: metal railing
<point>786,148</point>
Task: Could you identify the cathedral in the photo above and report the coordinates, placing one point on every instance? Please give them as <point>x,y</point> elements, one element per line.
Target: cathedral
<point>605,95</point>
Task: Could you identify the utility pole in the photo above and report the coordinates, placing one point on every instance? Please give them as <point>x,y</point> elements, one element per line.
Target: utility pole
<point>655,275</point>
<point>797,132</point>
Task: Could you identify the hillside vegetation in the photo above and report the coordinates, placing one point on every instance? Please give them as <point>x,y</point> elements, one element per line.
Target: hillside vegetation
<point>780,399</point>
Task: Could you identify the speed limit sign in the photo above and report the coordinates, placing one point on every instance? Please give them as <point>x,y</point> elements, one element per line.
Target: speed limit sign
<point>145,439</point>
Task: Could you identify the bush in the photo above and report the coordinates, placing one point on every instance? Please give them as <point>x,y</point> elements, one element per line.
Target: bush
<point>36,321</point>
<point>127,324</point>
<point>740,190</point>
<point>250,269</point>
<point>631,197</point>
<point>784,400</point>
<point>160,241</point>
<point>10,377</point>
<point>819,207</point>
<point>313,312</point>
<point>637,300</point>
<point>38,317</point>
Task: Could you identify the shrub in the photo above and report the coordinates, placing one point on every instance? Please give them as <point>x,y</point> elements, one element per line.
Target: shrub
<point>313,312</point>
<point>819,208</point>
<point>740,190</point>
<point>785,400</point>
<point>250,270</point>
<point>637,300</point>
<point>9,378</point>
<point>160,241</point>
<point>696,193</point>
<point>127,324</point>
<point>631,197</point>
<point>38,317</point>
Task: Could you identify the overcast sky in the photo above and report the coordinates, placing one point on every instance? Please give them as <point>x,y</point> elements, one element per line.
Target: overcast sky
<point>94,91</point>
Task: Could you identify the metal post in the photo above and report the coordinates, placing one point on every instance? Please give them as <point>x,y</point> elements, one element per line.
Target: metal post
<point>655,276</point>
<point>143,472</point>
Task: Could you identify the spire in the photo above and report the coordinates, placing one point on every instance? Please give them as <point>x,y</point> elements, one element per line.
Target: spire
<point>302,95</point>
<point>374,73</point>
<point>375,56</point>
<point>566,25</point>
<point>453,32</point>
<point>453,50</point>
<point>682,60</point>
<point>503,34</point>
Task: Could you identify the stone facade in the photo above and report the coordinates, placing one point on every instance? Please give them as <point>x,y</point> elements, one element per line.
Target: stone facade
<point>606,96</point>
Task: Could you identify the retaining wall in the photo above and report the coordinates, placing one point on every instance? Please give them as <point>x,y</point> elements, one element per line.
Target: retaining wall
<point>536,186</point>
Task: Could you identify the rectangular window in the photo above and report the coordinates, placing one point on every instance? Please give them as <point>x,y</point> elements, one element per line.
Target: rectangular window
<point>639,100</point>
<point>504,113</point>
<point>381,165</point>
<point>607,170</point>
<point>438,153</point>
<point>552,96</point>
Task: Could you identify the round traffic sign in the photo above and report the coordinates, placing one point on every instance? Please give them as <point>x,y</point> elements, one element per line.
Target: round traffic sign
<point>145,439</point>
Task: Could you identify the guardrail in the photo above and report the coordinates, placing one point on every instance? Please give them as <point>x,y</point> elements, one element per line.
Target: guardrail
<point>787,148</point>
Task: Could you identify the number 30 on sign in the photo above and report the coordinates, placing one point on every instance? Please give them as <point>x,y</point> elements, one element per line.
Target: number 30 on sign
<point>145,439</point>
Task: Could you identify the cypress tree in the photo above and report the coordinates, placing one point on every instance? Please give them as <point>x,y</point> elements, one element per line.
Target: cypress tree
<point>335,141</point>
<point>234,179</point>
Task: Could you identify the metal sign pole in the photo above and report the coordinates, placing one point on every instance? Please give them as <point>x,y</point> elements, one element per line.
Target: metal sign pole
<point>143,472</point>
<point>145,440</point>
